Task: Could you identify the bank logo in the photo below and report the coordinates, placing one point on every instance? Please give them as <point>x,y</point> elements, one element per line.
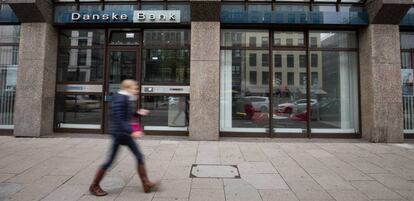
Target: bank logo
<point>138,16</point>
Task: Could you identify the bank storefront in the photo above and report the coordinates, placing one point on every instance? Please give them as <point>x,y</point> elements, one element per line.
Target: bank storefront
<point>298,77</point>
<point>294,81</point>
<point>102,44</point>
<point>303,68</point>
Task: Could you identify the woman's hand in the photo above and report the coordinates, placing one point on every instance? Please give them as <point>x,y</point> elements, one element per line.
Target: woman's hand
<point>143,112</point>
<point>137,134</point>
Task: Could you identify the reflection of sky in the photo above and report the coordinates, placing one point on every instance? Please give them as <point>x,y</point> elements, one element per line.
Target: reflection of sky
<point>325,36</point>
<point>406,75</point>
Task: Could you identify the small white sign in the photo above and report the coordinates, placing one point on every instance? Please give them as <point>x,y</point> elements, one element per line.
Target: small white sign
<point>157,16</point>
<point>130,35</point>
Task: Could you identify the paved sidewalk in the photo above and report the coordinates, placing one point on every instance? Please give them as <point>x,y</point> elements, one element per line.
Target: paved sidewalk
<point>61,168</point>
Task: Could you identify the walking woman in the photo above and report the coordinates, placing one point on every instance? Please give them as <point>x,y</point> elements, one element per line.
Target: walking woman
<point>123,134</point>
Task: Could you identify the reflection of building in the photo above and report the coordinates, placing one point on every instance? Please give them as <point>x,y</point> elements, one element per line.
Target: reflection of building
<point>289,67</point>
<point>80,62</point>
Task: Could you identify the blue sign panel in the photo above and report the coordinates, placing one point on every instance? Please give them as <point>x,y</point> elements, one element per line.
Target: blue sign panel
<point>120,14</point>
<point>7,15</point>
<point>295,17</point>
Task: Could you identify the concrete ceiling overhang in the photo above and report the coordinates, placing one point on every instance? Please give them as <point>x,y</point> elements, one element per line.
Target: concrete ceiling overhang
<point>32,10</point>
<point>387,11</point>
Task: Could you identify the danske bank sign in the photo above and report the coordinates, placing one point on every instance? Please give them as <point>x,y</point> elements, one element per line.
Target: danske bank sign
<point>139,16</point>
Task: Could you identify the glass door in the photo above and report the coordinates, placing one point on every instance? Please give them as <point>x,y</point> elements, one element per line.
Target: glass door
<point>122,64</point>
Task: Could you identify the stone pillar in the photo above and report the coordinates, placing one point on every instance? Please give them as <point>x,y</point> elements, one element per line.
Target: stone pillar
<point>36,75</point>
<point>380,76</point>
<point>380,81</point>
<point>35,93</point>
<point>205,71</point>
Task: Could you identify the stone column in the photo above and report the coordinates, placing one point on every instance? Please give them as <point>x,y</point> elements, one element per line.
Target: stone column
<point>35,94</point>
<point>205,71</point>
<point>380,76</point>
<point>36,75</point>
<point>380,81</point>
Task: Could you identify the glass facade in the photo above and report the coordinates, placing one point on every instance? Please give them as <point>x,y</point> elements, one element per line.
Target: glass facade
<point>166,57</point>
<point>407,77</point>
<point>80,61</point>
<point>9,51</point>
<point>166,62</point>
<point>305,88</point>
<point>93,62</point>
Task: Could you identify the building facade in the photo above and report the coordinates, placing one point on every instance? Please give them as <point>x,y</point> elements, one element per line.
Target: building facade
<point>302,68</point>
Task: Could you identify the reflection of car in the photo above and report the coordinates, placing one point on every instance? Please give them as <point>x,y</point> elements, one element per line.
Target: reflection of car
<point>258,103</point>
<point>295,106</point>
<point>301,116</point>
<point>81,102</point>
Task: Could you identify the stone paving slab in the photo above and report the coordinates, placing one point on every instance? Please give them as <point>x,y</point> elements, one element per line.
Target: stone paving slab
<point>61,168</point>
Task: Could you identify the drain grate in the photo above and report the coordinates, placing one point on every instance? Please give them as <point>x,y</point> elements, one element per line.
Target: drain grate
<point>214,171</point>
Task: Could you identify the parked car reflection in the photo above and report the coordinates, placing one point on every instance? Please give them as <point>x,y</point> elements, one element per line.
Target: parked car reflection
<point>295,106</point>
<point>256,103</point>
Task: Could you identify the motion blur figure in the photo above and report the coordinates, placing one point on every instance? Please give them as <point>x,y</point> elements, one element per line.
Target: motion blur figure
<point>122,133</point>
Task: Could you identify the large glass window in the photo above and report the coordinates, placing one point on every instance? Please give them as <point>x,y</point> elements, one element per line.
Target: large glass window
<point>81,56</point>
<point>9,50</point>
<point>80,66</point>
<point>334,88</point>
<point>244,105</point>
<point>166,57</point>
<point>167,113</point>
<point>312,90</point>
<point>78,111</point>
<point>407,80</point>
<point>289,89</point>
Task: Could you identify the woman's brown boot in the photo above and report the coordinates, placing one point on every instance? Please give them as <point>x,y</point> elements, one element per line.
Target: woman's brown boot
<point>146,184</point>
<point>95,189</point>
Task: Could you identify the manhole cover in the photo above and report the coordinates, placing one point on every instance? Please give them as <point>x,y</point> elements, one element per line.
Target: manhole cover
<point>214,171</point>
